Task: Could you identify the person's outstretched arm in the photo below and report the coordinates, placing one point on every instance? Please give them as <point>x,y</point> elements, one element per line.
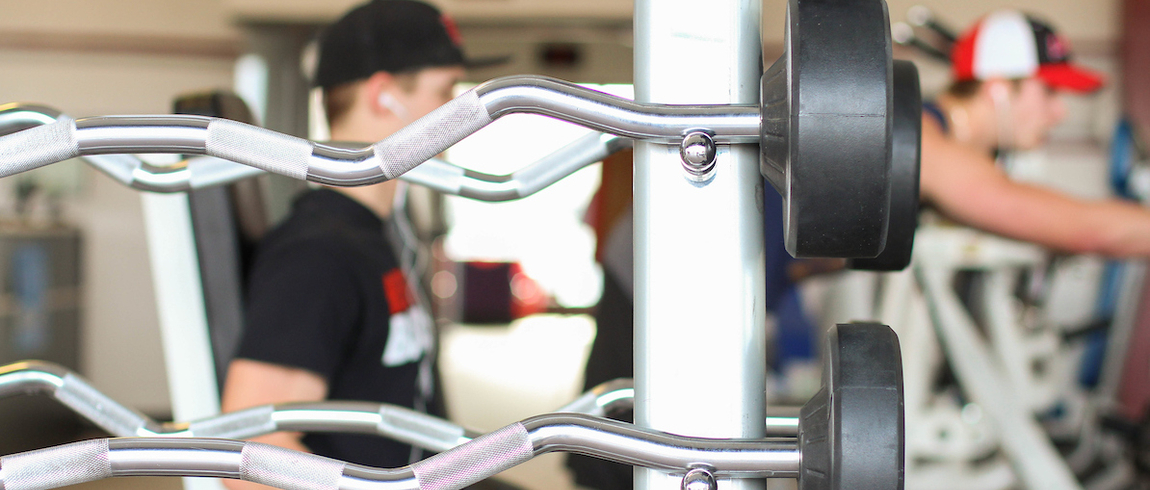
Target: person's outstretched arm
<point>968,187</point>
<point>253,383</point>
<point>301,307</point>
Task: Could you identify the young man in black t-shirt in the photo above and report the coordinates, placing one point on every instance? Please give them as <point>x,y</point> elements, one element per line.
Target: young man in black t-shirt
<point>329,313</point>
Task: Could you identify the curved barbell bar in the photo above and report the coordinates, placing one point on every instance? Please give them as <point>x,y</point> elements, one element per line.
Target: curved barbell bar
<point>457,468</point>
<point>414,144</point>
<point>533,94</point>
<point>18,117</point>
<point>452,179</point>
<point>205,171</point>
<point>130,170</point>
<point>398,423</point>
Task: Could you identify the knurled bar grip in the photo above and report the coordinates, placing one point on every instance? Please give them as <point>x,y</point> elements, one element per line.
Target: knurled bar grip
<point>33,148</point>
<point>289,470</point>
<point>304,160</point>
<point>293,157</point>
<point>420,429</point>
<point>432,134</point>
<point>258,147</point>
<point>113,417</point>
<point>483,457</point>
<point>243,424</point>
<point>55,467</point>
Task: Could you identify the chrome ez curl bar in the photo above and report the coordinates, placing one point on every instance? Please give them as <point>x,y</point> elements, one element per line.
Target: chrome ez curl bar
<point>385,160</point>
<point>399,423</point>
<point>181,454</point>
<point>395,422</point>
<point>206,171</point>
<point>466,458</point>
<point>191,174</point>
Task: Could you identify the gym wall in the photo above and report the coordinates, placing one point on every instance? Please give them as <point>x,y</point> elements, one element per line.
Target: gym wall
<point>97,57</point>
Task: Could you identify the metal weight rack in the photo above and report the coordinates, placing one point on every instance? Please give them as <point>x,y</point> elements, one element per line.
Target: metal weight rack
<point>706,132</point>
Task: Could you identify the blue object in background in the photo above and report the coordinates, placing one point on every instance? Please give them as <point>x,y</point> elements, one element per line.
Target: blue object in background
<point>29,275</point>
<point>1093,358</point>
<point>1123,149</point>
<point>794,333</point>
<point>1123,152</point>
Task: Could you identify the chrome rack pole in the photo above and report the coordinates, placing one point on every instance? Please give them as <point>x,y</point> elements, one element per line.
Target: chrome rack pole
<point>699,261</point>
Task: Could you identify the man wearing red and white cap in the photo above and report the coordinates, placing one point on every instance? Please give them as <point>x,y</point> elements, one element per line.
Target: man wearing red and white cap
<point>1010,71</point>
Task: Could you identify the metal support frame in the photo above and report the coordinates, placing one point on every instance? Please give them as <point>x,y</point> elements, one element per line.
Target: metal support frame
<point>700,342</point>
<point>183,316</point>
<point>939,254</point>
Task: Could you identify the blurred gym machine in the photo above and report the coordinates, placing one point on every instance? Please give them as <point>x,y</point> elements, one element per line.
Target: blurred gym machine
<point>40,292</point>
<point>996,396</point>
<point>40,304</point>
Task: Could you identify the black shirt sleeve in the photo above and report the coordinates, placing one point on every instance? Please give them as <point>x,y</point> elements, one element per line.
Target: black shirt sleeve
<point>302,308</point>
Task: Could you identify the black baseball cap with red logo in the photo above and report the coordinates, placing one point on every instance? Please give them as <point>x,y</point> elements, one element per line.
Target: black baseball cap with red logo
<point>390,35</point>
<point>1010,44</point>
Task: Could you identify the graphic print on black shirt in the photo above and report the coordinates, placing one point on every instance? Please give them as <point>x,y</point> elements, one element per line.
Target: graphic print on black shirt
<point>326,295</point>
<point>409,338</point>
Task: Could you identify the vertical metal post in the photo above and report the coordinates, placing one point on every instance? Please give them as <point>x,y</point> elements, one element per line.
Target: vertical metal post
<point>183,317</point>
<point>699,261</point>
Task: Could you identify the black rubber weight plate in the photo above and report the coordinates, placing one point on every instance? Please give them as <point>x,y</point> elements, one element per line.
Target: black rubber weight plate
<point>826,127</point>
<point>851,432</point>
<point>906,145</point>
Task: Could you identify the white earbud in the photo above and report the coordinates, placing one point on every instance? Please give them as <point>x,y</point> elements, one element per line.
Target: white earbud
<point>1000,95</point>
<point>395,106</point>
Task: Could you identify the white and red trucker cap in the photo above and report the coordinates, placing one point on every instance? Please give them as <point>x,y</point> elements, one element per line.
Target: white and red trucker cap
<point>1010,44</point>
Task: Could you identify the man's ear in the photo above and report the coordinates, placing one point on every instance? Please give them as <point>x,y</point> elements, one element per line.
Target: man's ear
<point>376,89</point>
<point>998,89</point>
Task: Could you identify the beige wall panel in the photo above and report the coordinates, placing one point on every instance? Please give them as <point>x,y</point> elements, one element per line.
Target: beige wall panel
<point>198,18</point>
<point>120,344</point>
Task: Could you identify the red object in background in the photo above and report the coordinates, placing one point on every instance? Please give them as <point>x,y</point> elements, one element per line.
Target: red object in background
<point>1135,55</point>
<point>527,296</point>
<point>496,292</point>
<point>1134,390</point>
<point>487,292</point>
